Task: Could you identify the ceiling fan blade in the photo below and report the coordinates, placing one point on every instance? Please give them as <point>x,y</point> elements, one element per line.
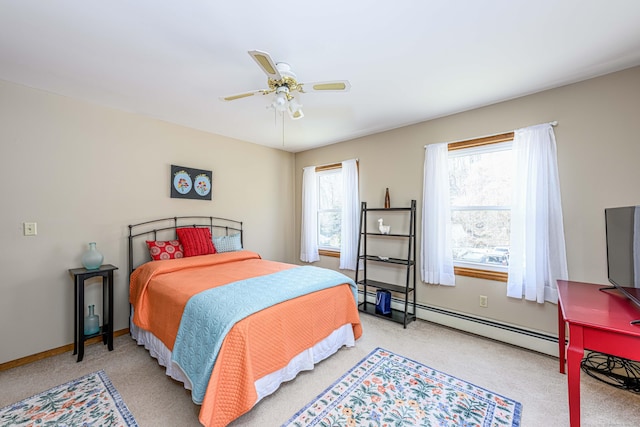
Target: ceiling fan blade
<point>245,94</point>
<point>333,86</point>
<point>266,63</point>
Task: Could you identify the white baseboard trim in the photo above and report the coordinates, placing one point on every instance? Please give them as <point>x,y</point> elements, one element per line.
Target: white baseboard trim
<point>511,334</point>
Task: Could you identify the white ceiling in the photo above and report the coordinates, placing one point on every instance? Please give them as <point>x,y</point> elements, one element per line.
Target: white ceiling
<point>407,60</point>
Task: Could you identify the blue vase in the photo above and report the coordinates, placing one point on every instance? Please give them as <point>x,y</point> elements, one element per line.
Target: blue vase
<point>92,259</point>
<point>91,322</point>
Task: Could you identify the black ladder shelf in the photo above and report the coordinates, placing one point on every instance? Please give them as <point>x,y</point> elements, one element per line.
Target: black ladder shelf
<point>409,313</point>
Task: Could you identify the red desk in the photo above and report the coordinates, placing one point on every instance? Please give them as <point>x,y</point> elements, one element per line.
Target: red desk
<point>598,321</point>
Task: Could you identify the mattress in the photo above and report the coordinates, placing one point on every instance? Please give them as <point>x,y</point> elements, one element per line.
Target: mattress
<point>304,361</point>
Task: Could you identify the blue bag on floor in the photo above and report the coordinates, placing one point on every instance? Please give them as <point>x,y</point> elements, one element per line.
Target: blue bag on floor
<point>383,302</point>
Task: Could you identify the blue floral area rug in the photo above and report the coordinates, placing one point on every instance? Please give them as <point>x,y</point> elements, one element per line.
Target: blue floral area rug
<point>386,389</point>
<point>87,401</point>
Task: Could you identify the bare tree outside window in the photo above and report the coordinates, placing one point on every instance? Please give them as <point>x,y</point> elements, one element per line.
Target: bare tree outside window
<point>480,182</point>
<point>329,209</point>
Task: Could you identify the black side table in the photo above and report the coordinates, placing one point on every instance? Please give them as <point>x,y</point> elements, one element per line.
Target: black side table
<point>106,331</point>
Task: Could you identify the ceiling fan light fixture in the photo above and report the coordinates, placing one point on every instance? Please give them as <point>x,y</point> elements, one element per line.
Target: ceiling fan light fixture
<point>280,101</point>
<point>295,115</point>
<point>295,109</point>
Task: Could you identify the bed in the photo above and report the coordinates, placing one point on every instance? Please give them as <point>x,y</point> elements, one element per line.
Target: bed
<point>230,325</point>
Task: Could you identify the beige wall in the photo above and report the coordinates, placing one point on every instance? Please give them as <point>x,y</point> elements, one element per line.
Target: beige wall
<point>83,173</point>
<point>598,139</point>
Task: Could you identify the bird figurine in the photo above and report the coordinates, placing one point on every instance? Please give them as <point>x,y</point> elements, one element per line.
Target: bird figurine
<point>384,229</point>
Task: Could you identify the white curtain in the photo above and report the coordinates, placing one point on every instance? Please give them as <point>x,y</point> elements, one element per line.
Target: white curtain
<point>537,256</point>
<point>350,216</point>
<point>309,229</point>
<point>436,256</point>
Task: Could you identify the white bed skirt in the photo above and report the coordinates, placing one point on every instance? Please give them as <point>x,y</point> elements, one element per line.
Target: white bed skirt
<point>343,336</point>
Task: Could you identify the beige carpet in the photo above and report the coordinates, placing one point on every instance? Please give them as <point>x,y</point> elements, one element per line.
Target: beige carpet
<point>530,378</point>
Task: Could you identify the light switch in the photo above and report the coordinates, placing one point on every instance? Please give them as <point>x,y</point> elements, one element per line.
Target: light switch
<point>30,228</point>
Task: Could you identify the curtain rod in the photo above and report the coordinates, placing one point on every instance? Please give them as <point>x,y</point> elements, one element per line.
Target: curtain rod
<point>330,164</point>
<point>552,123</point>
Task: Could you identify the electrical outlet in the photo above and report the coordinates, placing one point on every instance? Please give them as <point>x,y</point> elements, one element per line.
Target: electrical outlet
<point>30,228</point>
<point>484,301</point>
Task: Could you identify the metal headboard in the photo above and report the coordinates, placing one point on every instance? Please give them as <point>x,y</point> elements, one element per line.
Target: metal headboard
<point>166,229</point>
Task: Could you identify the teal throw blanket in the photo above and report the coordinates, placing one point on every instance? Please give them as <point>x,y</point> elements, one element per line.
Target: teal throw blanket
<point>209,315</point>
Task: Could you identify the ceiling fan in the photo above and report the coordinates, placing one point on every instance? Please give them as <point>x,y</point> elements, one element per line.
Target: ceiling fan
<point>282,81</point>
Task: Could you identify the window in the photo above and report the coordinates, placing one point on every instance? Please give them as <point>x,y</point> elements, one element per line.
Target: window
<point>329,180</point>
<point>480,187</point>
<point>330,219</point>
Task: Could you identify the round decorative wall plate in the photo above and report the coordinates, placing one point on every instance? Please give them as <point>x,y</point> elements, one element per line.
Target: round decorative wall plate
<point>202,185</point>
<point>182,182</point>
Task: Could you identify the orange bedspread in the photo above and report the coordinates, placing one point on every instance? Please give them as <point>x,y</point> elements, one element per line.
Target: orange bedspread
<point>257,345</point>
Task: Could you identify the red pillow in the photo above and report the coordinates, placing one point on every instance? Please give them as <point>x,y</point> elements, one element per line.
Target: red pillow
<point>196,241</point>
<point>165,250</point>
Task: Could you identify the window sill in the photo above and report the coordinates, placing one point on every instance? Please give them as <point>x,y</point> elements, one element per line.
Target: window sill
<point>325,252</point>
<point>499,276</point>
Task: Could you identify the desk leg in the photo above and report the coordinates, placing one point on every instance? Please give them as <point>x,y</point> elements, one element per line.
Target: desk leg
<point>110,299</point>
<point>80,319</point>
<point>575,354</point>
<point>105,307</point>
<point>75,315</point>
<point>561,339</point>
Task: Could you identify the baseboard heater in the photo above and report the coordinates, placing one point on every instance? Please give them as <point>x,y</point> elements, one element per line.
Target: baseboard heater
<point>511,334</point>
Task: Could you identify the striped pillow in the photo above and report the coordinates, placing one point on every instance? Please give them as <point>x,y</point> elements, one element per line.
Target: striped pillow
<point>196,241</point>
